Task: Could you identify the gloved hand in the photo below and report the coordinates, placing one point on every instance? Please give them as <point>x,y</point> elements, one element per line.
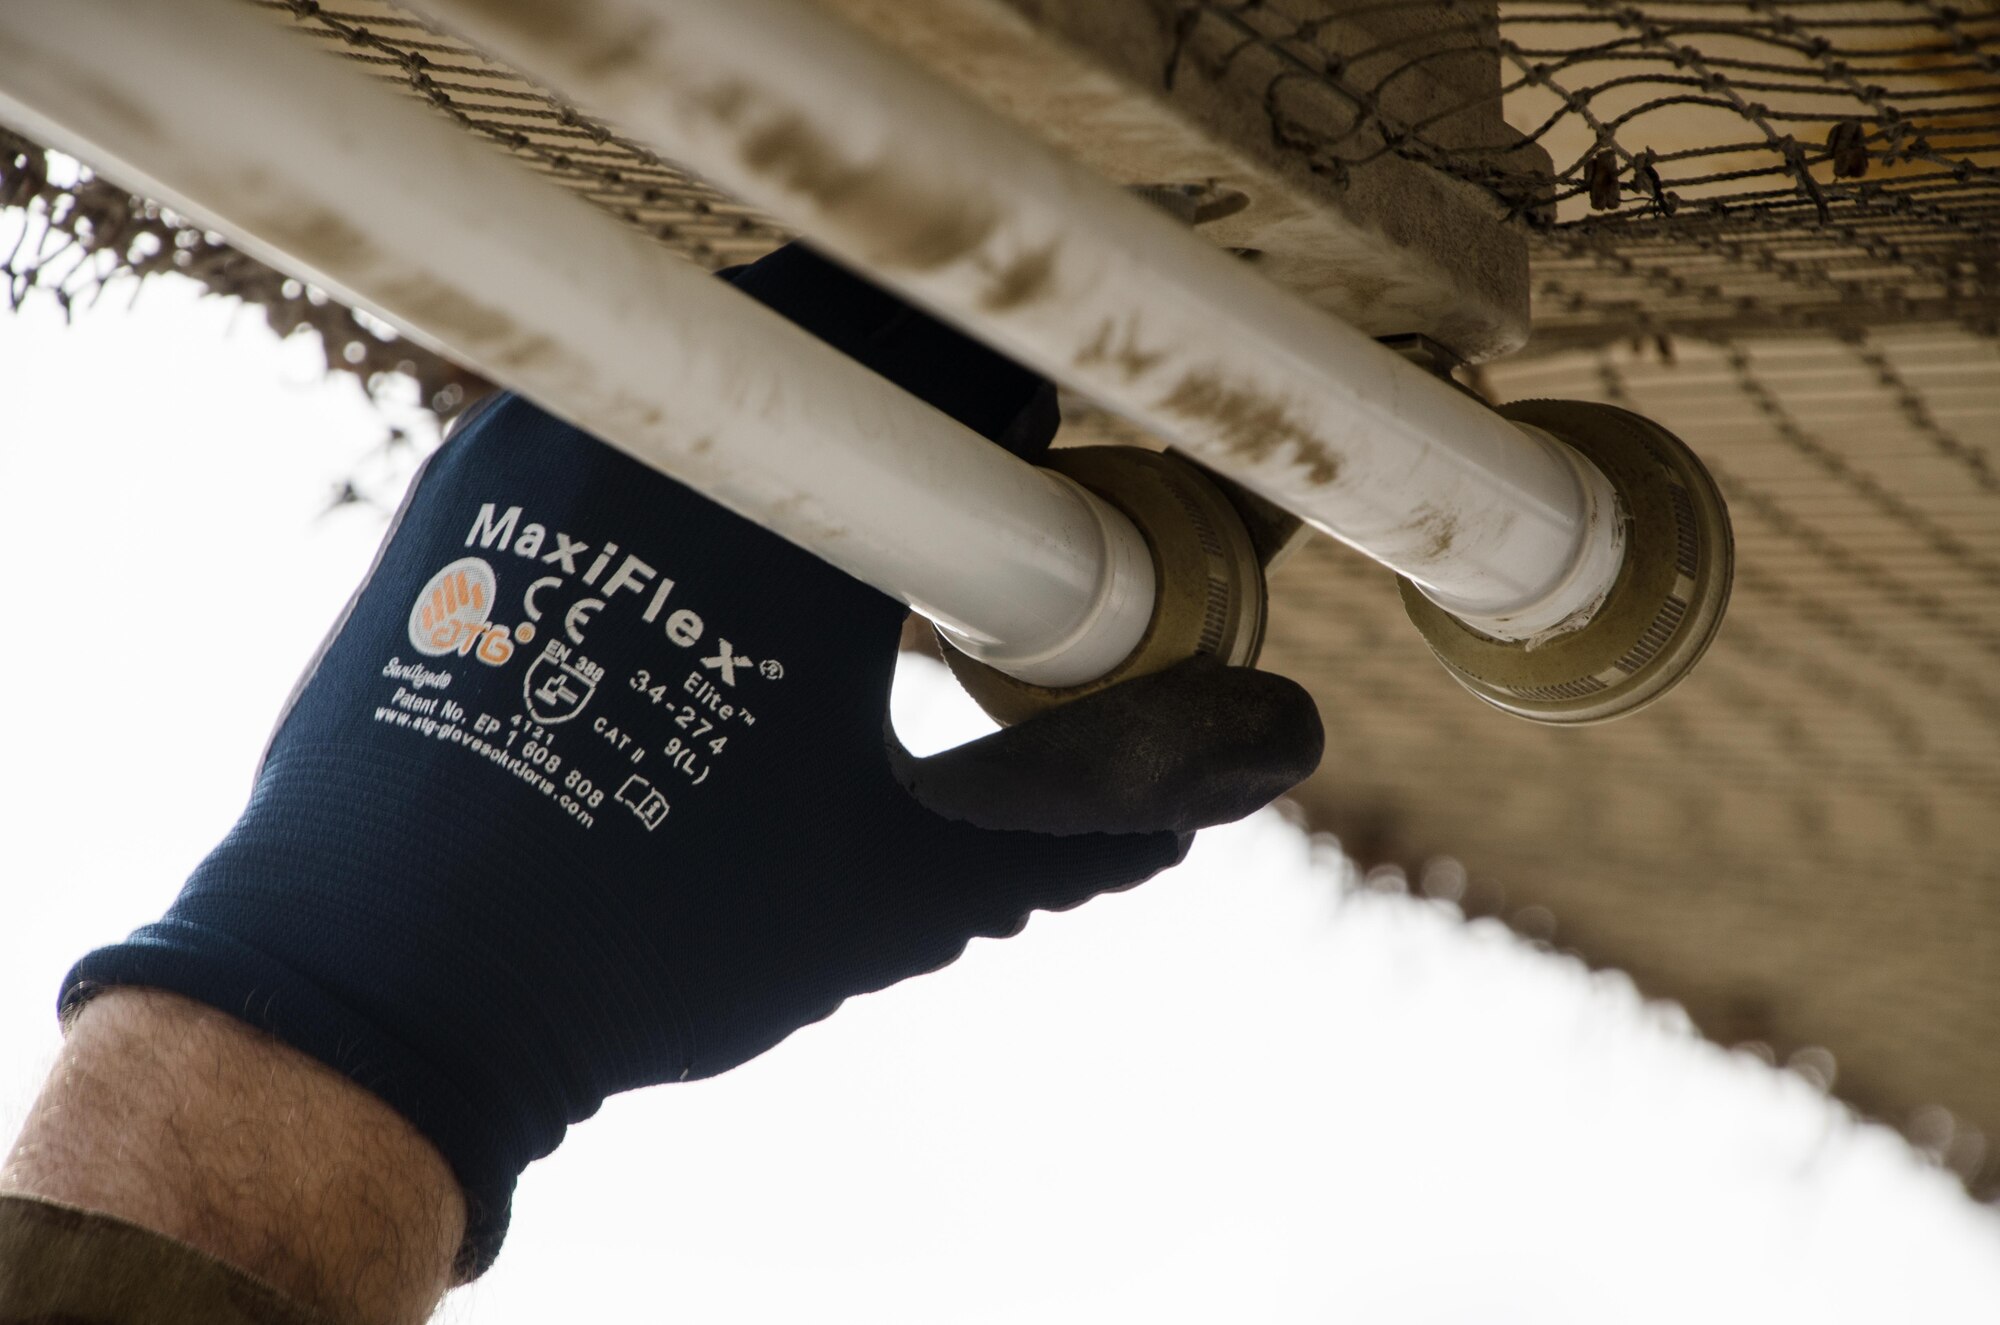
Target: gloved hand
<point>591,788</point>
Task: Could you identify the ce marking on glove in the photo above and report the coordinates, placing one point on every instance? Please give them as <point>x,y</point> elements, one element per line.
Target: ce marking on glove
<point>574,620</point>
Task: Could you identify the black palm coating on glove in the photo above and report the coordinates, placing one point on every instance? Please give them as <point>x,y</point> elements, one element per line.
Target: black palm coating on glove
<point>550,820</point>
<point>1195,745</point>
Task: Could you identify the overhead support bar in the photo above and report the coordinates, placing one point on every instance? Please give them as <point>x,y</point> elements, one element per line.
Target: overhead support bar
<point>895,171</point>
<point>307,162</point>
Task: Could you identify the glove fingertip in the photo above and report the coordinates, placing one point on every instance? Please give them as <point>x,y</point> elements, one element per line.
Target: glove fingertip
<point>1283,739</point>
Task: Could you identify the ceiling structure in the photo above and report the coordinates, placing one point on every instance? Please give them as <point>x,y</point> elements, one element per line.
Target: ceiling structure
<point>1773,227</point>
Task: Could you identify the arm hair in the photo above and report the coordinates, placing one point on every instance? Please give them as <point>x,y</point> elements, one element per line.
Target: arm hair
<point>173,1116</point>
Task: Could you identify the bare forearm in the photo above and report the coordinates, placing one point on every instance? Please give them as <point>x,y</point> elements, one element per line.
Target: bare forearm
<point>175,1117</point>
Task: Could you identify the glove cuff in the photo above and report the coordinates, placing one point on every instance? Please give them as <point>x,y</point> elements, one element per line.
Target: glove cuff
<point>212,968</point>
<point>344,918</point>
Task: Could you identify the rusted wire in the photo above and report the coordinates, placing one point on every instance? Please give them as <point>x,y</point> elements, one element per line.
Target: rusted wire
<point>1721,169</point>
<point>1820,164</point>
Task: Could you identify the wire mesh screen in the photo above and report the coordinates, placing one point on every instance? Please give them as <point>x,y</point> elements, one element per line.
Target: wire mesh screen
<point>1720,168</point>
<point>555,138</point>
<point>73,236</point>
<point>1798,844</point>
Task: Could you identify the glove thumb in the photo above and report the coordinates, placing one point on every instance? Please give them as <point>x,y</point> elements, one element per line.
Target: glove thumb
<point>1096,796</point>
<point>1186,748</point>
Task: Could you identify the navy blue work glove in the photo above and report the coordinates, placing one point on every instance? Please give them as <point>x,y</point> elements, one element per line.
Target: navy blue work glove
<point>592,789</point>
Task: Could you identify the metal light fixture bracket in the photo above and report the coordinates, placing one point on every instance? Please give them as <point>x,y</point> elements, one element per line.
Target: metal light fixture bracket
<point>1663,610</point>
<point>1211,596</point>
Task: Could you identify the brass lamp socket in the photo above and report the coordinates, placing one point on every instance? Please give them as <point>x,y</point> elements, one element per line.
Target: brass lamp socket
<point>1210,596</point>
<point>1663,610</point>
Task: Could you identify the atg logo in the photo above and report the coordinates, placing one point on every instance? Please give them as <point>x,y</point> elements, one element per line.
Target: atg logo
<point>451,614</point>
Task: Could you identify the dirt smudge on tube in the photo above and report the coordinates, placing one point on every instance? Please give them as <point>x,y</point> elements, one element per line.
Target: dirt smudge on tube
<point>907,222</point>
<point>595,40</point>
<point>106,99</point>
<point>1022,281</point>
<point>314,236</point>
<point>1119,347</point>
<point>486,334</point>
<point>789,151</point>
<point>1439,531</point>
<point>1250,423</point>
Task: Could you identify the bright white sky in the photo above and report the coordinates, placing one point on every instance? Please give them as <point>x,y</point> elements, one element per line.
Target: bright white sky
<point>1250,1090</point>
